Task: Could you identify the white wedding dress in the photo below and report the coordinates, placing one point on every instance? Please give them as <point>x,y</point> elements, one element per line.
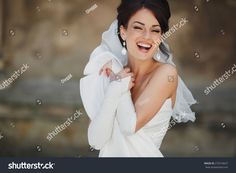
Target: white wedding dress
<point>145,143</point>
<point>113,116</point>
<point>111,110</point>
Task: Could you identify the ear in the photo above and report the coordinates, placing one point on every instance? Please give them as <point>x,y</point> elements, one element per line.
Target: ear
<point>123,32</point>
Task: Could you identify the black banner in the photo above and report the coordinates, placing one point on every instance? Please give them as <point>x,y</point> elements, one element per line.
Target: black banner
<point>85,165</point>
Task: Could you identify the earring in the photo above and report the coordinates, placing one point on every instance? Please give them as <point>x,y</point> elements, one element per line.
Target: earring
<point>124,51</point>
<point>158,55</point>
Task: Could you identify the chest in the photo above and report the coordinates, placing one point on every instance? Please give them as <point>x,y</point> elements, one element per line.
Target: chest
<point>139,87</point>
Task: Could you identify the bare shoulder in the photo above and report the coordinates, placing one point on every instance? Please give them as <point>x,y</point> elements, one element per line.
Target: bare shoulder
<point>164,81</point>
<point>166,71</point>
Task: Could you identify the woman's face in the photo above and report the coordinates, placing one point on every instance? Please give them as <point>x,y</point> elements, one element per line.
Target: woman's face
<point>142,35</point>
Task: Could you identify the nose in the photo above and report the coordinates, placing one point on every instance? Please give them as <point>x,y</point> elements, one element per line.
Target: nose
<point>147,35</point>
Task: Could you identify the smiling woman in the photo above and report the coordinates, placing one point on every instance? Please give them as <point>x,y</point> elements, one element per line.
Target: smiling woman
<point>145,34</point>
<point>130,116</point>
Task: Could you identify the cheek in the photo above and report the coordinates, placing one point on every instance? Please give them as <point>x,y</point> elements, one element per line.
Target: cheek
<point>131,45</point>
<point>156,37</point>
<point>131,40</point>
<point>133,36</point>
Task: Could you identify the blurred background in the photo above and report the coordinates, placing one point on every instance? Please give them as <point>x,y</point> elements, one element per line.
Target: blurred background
<point>55,39</point>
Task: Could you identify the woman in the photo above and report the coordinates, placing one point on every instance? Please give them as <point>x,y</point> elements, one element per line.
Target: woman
<point>132,87</point>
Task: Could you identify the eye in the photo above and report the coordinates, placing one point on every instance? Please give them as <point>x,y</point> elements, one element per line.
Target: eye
<point>157,31</point>
<point>136,27</point>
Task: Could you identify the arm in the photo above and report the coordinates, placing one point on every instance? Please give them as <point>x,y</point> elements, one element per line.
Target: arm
<point>132,117</point>
<point>100,128</point>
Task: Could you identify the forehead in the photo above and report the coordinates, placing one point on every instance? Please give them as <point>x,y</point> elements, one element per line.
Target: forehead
<point>145,16</point>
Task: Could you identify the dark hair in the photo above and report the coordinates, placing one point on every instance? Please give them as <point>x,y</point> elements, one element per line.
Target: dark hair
<point>127,8</point>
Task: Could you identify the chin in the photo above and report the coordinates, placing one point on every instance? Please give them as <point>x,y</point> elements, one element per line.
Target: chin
<point>143,56</point>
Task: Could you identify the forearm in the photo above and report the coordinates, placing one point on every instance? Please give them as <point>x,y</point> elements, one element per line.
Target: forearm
<point>100,128</point>
<point>126,115</point>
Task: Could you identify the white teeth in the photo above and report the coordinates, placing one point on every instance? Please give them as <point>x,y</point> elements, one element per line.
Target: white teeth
<point>144,45</point>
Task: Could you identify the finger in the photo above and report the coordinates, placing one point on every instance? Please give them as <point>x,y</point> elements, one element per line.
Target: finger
<point>127,69</point>
<point>105,72</point>
<point>100,72</point>
<point>129,74</point>
<point>124,74</point>
<point>121,73</point>
<point>108,71</point>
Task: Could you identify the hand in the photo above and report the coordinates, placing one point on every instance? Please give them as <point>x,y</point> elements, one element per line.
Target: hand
<point>123,74</point>
<point>107,70</point>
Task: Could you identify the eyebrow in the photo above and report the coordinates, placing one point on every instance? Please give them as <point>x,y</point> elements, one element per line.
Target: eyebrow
<point>144,24</point>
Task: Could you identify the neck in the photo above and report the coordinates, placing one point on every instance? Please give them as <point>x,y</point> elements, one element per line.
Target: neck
<point>140,67</point>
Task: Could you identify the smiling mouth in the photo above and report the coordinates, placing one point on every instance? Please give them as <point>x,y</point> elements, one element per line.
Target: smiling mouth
<point>144,47</point>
